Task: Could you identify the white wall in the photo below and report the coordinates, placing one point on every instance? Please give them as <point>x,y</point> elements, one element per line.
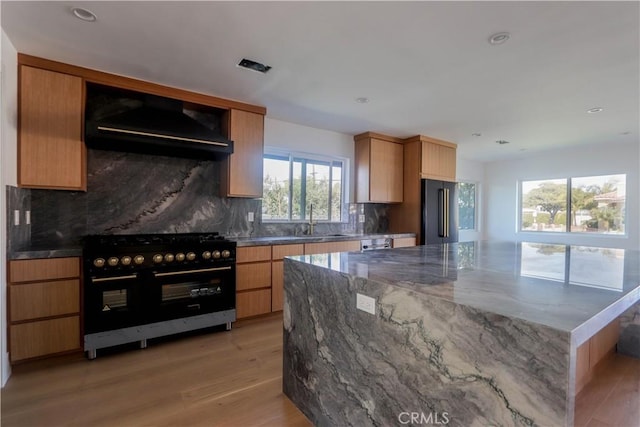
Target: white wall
<point>290,136</point>
<point>8,176</point>
<point>472,171</point>
<point>501,191</point>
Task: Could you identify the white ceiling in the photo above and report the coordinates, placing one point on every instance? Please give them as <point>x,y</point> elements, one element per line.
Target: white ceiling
<point>427,67</point>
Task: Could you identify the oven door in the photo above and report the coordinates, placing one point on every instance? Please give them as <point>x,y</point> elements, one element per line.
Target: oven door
<point>185,293</point>
<point>111,303</point>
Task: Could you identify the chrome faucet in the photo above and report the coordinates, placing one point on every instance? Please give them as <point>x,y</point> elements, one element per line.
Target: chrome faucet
<point>311,223</point>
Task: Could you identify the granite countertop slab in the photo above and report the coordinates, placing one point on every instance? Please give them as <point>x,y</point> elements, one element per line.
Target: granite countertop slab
<point>36,253</point>
<point>577,289</point>
<point>286,240</point>
<point>61,252</point>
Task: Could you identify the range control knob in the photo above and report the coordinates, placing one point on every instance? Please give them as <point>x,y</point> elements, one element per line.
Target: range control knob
<point>216,254</point>
<point>113,261</point>
<point>206,254</point>
<point>98,262</point>
<point>169,257</point>
<point>157,258</point>
<point>191,256</point>
<point>125,260</point>
<point>226,254</point>
<point>138,259</point>
<point>180,256</point>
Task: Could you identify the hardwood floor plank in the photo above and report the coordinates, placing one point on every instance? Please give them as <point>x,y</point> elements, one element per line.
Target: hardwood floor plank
<point>223,378</point>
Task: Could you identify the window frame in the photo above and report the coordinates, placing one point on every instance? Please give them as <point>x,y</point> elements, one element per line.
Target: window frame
<point>476,186</point>
<point>327,160</point>
<point>568,211</point>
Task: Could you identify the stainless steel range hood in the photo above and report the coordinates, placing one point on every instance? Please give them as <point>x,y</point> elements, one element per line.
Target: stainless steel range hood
<point>159,126</point>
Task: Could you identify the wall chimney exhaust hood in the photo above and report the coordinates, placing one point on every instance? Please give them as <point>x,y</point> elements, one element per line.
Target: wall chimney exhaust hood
<point>150,124</point>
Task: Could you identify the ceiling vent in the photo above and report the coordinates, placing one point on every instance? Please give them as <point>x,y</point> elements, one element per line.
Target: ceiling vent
<point>254,66</point>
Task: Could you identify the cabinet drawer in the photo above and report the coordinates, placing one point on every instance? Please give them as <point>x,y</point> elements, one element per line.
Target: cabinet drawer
<point>34,300</point>
<point>403,242</point>
<point>326,247</point>
<point>253,303</point>
<point>253,275</point>
<point>45,337</point>
<point>253,253</point>
<point>281,251</point>
<point>27,270</point>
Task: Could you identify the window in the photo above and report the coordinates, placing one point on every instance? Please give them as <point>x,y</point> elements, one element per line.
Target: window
<point>466,206</point>
<point>294,184</point>
<point>593,204</point>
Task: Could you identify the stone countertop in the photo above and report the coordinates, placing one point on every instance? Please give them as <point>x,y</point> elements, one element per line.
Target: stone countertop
<point>577,289</point>
<point>287,240</point>
<point>482,333</point>
<point>36,252</point>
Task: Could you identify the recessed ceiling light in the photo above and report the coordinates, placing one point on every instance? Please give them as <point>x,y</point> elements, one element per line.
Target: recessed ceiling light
<point>362,100</point>
<point>502,142</point>
<point>594,110</point>
<point>499,38</point>
<point>84,14</point>
<point>476,134</point>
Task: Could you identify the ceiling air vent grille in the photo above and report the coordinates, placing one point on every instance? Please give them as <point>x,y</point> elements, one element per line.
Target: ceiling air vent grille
<point>253,65</point>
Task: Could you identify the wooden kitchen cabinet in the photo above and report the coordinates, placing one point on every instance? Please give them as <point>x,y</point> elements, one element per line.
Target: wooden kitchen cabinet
<point>438,160</point>
<point>327,247</point>
<point>424,158</point>
<point>51,152</point>
<point>379,165</point>
<point>277,272</point>
<point>44,307</point>
<point>403,242</point>
<point>253,281</point>
<point>594,350</point>
<point>242,170</point>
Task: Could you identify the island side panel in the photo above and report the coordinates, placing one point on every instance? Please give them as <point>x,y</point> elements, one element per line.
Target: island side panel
<point>417,354</point>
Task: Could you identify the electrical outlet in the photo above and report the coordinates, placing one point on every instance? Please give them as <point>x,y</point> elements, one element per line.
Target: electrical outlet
<point>250,217</point>
<point>366,303</point>
<point>27,217</point>
<point>16,217</point>
<point>361,218</point>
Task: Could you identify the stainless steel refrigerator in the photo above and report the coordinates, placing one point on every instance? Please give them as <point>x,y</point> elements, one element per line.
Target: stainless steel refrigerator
<point>439,212</point>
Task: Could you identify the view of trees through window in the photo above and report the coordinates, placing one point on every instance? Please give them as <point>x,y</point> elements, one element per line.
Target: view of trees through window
<point>293,186</point>
<point>594,204</point>
<point>466,206</point>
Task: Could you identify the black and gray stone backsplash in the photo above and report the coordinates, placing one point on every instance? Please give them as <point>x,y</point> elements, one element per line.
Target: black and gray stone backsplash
<point>134,193</point>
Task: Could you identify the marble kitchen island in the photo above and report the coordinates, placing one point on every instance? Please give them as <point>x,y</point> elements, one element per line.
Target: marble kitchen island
<point>463,334</point>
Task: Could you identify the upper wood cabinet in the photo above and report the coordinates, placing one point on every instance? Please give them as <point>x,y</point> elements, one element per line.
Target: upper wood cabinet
<point>438,160</point>
<point>242,171</point>
<point>379,164</point>
<point>51,153</point>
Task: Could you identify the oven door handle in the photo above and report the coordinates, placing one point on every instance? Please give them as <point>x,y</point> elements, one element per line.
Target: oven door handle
<point>202,270</point>
<point>108,279</point>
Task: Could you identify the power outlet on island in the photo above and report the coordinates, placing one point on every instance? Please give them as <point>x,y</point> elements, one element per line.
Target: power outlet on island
<point>250,217</point>
<point>366,303</point>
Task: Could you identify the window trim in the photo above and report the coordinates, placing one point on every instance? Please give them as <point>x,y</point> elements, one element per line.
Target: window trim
<point>567,232</point>
<point>292,155</point>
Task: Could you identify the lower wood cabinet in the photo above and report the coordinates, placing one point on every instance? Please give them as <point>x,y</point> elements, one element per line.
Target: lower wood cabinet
<point>593,350</point>
<point>403,242</point>
<point>44,307</point>
<point>277,272</point>
<point>327,247</point>
<point>253,281</point>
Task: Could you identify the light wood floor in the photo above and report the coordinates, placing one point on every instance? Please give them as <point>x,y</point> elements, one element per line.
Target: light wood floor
<point>223,379</point>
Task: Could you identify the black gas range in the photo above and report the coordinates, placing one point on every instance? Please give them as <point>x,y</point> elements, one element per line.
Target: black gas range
<point>142,286</point>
